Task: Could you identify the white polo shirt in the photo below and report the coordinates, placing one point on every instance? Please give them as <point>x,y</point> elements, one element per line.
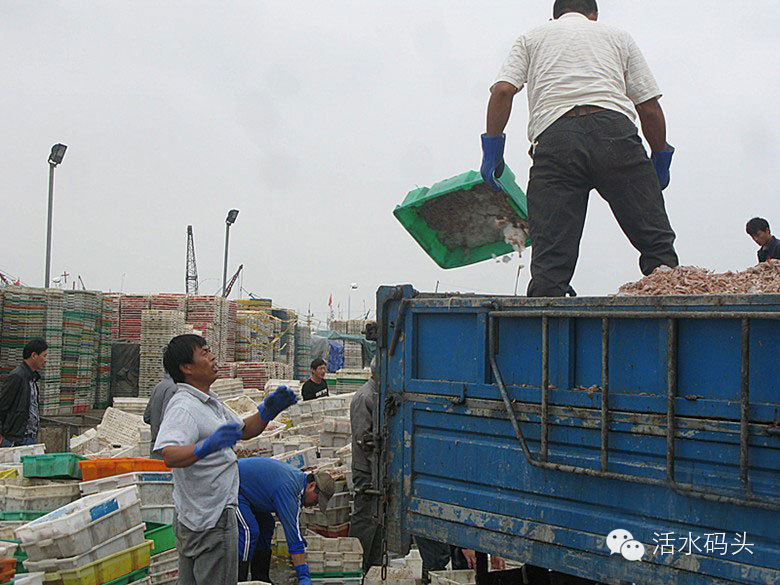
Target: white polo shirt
<point>574,61</point>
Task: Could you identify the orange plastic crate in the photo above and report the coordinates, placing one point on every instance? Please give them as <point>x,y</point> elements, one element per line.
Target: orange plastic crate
<point>98,468</point>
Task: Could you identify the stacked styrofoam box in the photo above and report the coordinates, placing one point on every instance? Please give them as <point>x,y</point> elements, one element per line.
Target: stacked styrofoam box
<point>395,576</point>
<point>334,555</point>
<point>261,445</point>
<point>290,443</point>
<point>456,577</point>
<point>351,379</point>
<point>83,531</point>
<point>168,302</point>
<point>302,350</point>
<point>117,429</point>
<point>158,327</point>
<point>277,339</point>
<point>242,406</point>
<point>333,519</point>
<point>256,374</point>
<point>353,354</point>
<point>274,383</point>
<point>231,317</point>
<point>227,388</point>
<point>302,459</point>
<point>336,433</point>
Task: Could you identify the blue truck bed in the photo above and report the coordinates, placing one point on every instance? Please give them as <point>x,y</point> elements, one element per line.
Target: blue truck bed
<point>534,428</point>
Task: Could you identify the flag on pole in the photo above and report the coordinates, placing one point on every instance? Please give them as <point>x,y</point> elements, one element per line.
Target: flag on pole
<point>330,300</point>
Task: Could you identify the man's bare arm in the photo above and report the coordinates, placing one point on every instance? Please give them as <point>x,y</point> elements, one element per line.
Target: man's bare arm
<point>179,455</point>
<point>499,107</point>
<point>253,426</point>
<point>653,123</point>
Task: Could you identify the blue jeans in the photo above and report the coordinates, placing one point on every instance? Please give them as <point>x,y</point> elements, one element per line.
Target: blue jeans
<point>19,443</point>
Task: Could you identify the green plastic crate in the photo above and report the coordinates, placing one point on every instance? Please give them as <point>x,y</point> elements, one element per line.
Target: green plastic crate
<point>162,535</point>
<point>338,575</point>
<point>54,465</point>
<point>20,515</point>
<point>130,577</point>
<point>452,219</point>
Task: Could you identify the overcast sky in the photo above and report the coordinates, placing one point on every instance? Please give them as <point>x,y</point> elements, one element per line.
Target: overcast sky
<point>316,118</point>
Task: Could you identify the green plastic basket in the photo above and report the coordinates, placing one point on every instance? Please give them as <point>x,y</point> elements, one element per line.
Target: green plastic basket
<point>54,465</point>
<point>454,220</point>
<point>20,515</point>
<point>162,535</point>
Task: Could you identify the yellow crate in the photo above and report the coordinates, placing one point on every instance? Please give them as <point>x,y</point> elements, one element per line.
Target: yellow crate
<point>111,567</point>
<point>8,473</point>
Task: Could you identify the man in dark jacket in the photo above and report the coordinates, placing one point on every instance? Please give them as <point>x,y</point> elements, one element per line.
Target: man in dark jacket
<point>758,229</point>
<point>19,397</point>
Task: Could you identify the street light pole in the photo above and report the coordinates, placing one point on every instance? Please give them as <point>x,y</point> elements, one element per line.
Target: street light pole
<point>230,220</point>
<point>55,158</point>
<point>352,287</point>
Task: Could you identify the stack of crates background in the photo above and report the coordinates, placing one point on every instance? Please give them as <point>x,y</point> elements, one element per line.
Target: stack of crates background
<point>80,345</point>
<point>288,319</point>
<point>350,380</point>
<point>254,332</point>
<point>109,327</point>
<point>256,374</point>
<point>51,376</point>
<point>212,316</point>
<point>302,350</point>
<point>157,329</point>
<point>130,309</point>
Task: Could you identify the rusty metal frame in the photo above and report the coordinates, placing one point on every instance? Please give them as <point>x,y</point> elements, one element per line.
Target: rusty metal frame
<point>685,489</point>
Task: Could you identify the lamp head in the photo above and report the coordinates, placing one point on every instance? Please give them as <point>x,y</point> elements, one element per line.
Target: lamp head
<point>231,216</point>
<point>57,154</point>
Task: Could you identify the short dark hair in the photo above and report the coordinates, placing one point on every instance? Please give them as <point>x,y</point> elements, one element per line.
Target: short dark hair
<point>36,345</point>
<point>317,363</point>
<point>755,225</point>
<point>178,352</point>
<point>585,7</point>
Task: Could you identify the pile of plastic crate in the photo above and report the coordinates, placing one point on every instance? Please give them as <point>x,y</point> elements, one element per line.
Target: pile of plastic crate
<point>158,327</point>
<point>334,561</point>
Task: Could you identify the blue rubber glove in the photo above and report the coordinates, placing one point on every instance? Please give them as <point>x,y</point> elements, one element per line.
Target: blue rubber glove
<point>224,437</point>
<point>276,402</point>
<point>302,571</point>
<point>492,160</point>
<point>662,161</point>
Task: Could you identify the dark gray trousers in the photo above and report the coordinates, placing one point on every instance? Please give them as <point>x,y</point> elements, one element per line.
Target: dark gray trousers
<point>209,557</point>
<point>599,151</point>
<point>364,523</point>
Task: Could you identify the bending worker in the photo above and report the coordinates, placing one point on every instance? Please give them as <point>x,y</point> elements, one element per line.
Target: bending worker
<point>586,83</point>
<point>271,487</point>
<point>196,439</point>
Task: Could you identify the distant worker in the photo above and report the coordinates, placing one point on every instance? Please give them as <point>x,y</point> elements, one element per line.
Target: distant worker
<point>270,487</point>
<point>196,439</point>
<point>316,386</point>
<point>586,83</point>
<point>155,408</point>
<point>20,397</point>
<point>371,331</point>
<point>364,523</point>
<point>758,229</point>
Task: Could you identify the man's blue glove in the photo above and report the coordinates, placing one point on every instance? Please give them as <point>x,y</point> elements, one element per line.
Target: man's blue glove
<point>662,161</point>
<point>492,160</point>
<point>276,402</point>
<point>302,571</point>
<point>224,437</point>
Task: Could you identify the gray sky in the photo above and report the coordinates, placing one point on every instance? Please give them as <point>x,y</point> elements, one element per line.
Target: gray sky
<point>316,118</point>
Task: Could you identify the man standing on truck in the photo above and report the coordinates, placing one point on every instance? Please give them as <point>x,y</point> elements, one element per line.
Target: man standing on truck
<point>586,81</point>
<point>196,439</point>
<point>19,397</point>
<point>758,229</point>
<point>271,487</point>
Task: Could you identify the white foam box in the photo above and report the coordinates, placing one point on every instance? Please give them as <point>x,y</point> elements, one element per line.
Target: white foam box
<point>120,542</point>
<point>81,525</point>
<point>458,577</point>
<point>43,497</point>
<point>32,579</point>
<point>336,425</point>
<point>300,459</point>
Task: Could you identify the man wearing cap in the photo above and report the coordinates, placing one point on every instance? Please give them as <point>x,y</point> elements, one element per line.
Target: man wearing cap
<point>268,486</point>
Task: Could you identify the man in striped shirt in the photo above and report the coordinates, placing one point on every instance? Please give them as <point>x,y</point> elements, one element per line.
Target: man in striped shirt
<point>586,84</point>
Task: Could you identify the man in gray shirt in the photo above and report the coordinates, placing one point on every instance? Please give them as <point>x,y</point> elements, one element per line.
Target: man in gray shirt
<point>155,408</point>
<point>196,439</point>
<point>364,523</point>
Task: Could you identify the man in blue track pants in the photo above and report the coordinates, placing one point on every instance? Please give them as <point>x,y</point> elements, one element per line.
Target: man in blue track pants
<point>267,486</point>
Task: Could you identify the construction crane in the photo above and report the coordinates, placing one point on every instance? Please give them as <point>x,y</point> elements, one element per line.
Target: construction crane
<point>232,281</point>
<point>191,278</point>
<point>81,282</point>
